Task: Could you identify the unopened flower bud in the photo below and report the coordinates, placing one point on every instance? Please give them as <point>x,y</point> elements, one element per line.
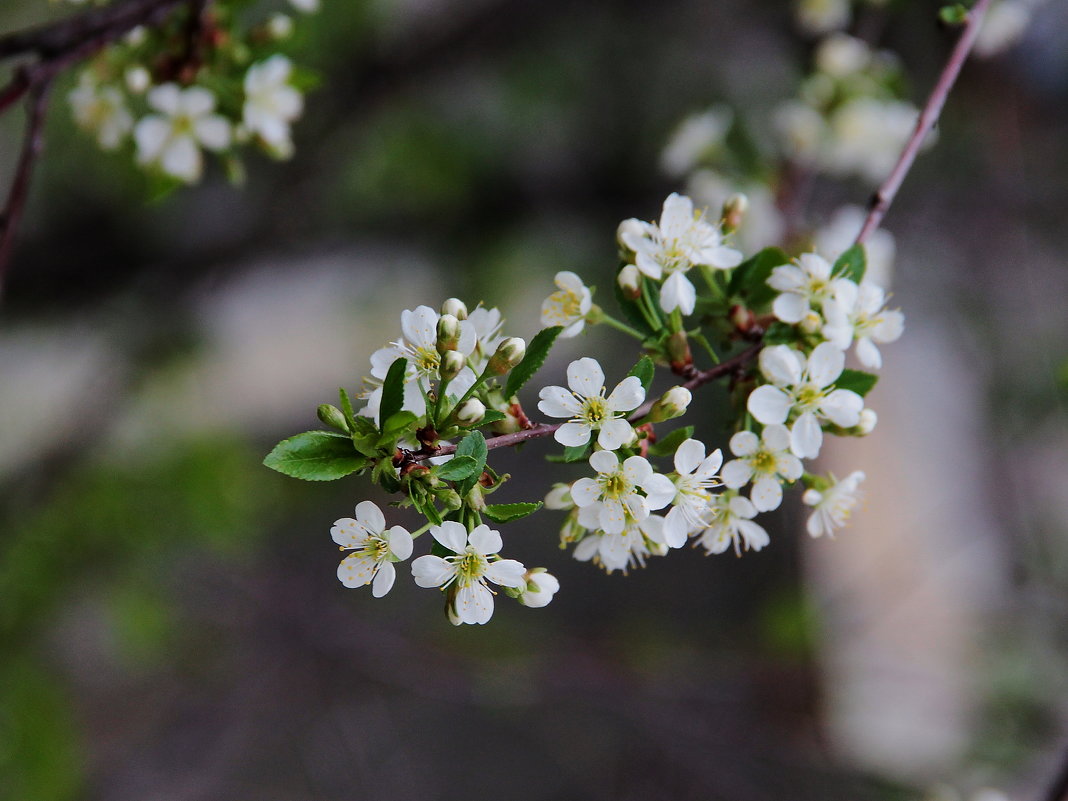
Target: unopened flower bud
<point>743,318</point>
<point>450,499</point>
<point>280,26</point>
<point>456,307</point>
<point>679,350</point>
<point>472,411</point>
<point>509,354</point>
<point>734,210</point>
<point>509,425</point>
<point>868,419</point>
<point>452,362</point>
<point>448,333</point>
<point>811,323</point>
<point>138,79</point>
<point>540,589</point>
<point>629,280</point>
<point>559,497</point>
<point>670,405</point>
<point>332,416</point>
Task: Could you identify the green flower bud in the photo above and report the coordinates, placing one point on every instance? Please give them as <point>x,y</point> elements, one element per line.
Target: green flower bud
<point>670,405</point>
<point>452,362</point>
<point>455,307</point>
<point>332,416</point>
<point>509,354</point>
<point>472,411</point>
<point>448,333</point>
<point>450,499</point>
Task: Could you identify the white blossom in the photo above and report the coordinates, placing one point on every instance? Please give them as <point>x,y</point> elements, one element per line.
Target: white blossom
<point>624,549</point>
<point>804,388</point>
<point>823,16</point>
<point>695,475</point>
<point>271,103</point>
<point>540,589</point>
<point>374,547</point>
<point>568,306</point>
<point>473,562</point>
<point>171,140</point>
<point>841,55</point>
<point>696,137</point>
<point>1004,26</point>
<point>101,111</point>
<point>840,233</point>
<point>766,461</point>
<point>762,225</point>
<point>866,137</point>
<point>615,492</point>
<point>588,408</point>
<point>680,241</point>
<point>729,521</point>
<point>832,507</point>
<point>307,6</point>
<point>487,325</point>
<point>802,131</point>
<point>802,286</point>
<point>861,313</point>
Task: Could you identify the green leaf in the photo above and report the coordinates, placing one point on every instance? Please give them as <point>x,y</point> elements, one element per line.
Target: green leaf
<point>395,427</point>
<point>507,512</point>
<point>457,469</point>
<point>851,264</point>
<point>750,278</point>
<point>856,380</point>
<point>644,370</point>
<point>472,446</point>
<point>424,504</point>
<point>315,456</point>
<point>953,15</point>
<point>669,444</point>
<point>537,350</point>
<point>346,409</point>
<point>392,391</point>
<point>631,310</point>
<point>780,333</point>
<point>575,453</point>
<point>491,416</point>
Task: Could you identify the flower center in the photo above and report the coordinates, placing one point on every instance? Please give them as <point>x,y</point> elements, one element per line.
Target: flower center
<point>595,410</point>
<point>615,485</point>
<point>762,462</point>
<point>808,396</point>
<point>426,360</point>
<point>182,125</point>
<point>470,567</point>
<point>375,548</point>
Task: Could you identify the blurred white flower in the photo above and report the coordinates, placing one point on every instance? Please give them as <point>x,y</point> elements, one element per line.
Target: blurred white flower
<point>589,409</point>
<point>841,55</point>
<point>271,104</point>
<point>375,549</point>
<point>832,507</point>
<point>171,140</point>
<point>307,6</point>
<point>101,111</point>
<point>839,234</point>
<point>762,224</point>
<point>696,137</point>
<point>867,135</point>
<point>1004,25</point>
<point>568,306</point>
<point>822,16</point>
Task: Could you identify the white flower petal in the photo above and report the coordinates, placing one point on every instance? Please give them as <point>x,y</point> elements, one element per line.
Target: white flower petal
<point>384,579</point>
<point>766,494</point>
<point>558,402</point>
<point>736,473</point>
<point>678,293</point>
<point>213,132</point>
<point>688,456</point>
<point>781,365</point>
<point>659,491</point>
<point>627,396</point>
<point>637,470</point>
<point>754,535</point>
<point>585,491</point>
<point>181,158</point>
<point>675,528</point>
<point>790,308</point>
<point>451,535</point>
<point>371,517</point>
<point>485,540</point>
<point>573,434</point>
<point>604,461</point>
<point>744,443</point>
<point>400,542</point>
<point>474,603</point>
<point>431,571</point>
<point>868,354</point>
<point>615,434</point>
<point>842,407</point>
<point>356,570</point>
<point>507,573</point>
<point>776,438</point>
<point>585,377</point>
<point>612,518</point>
<point>806,436</point>
<point>825,364</point>
<point>769,404</point>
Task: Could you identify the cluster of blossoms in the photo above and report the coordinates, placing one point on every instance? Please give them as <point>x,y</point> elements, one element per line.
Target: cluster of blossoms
<point>192,85</point>
<point>453,373</point>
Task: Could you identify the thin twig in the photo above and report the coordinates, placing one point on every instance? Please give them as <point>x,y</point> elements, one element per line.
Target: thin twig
<point>928,117</point>
<point>31,149</point>
<point>544,429</point>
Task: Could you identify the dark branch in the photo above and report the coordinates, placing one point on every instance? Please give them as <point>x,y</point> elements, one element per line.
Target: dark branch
<point>928,117</point>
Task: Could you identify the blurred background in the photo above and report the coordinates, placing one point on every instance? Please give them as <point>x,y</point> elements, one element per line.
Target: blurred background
<point>170,622</point>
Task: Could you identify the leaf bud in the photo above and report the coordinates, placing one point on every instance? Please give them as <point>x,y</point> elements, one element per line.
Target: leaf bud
<point>332,416</point>
<point>456,307</point>
<point>452,362</point>
<point>868,419</point>
<point>670,405</point>
<point>629,280</point>
<point>734,210</point>
<point>448,333</point>
<point>509,354</point>
<point>472,411</point>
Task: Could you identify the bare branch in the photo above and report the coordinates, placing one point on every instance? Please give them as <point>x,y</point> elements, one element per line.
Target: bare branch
<point>928,117</point>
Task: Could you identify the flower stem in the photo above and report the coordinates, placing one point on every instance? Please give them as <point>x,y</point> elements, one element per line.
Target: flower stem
<point>619,325</point>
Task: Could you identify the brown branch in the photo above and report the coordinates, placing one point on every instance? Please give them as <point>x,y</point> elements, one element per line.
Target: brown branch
<point>540,430</point>
<point>886,193</point>
<point>20,185</point>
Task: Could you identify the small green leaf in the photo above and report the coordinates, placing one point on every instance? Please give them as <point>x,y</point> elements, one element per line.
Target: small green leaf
<point>644,370</point>
<point>472,446</point>
<point>392,392</point>
<point>780,333</point>
<point>856,380</point>
<point>395,427</point>
<point>315,456</point>
<point>851,264</point>
<point>575,453</point>
<point>537,350</point>
<point>750,278</point>
<point>457,469</point>
<point>507,512</point>
<point>346,409</point>
<point>669,444</point>
<point>953,15</point>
